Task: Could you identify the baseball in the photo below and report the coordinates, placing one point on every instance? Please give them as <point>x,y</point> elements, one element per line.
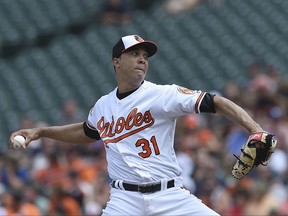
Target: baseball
<point>18,142</point>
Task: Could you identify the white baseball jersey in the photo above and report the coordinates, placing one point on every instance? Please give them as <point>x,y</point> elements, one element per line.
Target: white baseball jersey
<point>138,130</point>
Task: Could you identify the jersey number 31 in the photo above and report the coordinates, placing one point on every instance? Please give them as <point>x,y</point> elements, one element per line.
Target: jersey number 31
<point>147,148</point>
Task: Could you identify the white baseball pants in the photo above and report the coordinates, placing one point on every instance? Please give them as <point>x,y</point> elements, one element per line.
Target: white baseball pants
<point>172,201</point>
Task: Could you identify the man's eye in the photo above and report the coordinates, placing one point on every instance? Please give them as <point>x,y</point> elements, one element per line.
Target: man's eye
<point>134,53</point>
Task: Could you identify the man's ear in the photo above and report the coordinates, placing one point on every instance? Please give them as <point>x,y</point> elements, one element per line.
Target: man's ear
<point>115,62</point>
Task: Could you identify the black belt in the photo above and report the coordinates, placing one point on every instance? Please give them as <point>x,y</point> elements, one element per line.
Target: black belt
<point>149,188</point>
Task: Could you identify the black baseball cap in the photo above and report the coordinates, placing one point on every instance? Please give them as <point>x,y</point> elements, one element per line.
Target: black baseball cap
<point>130,41</point>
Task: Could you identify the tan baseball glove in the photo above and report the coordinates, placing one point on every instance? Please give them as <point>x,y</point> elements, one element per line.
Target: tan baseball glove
<point>257,150</point>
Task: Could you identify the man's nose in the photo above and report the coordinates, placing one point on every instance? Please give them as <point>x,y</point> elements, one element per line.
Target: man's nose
<point>142,60</point>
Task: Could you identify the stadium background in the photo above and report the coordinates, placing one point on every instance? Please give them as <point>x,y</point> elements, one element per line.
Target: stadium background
<point>57,50</point>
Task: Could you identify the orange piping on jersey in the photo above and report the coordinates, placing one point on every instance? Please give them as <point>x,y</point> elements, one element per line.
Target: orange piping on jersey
<point>198,102</point>
<point>90,126</point>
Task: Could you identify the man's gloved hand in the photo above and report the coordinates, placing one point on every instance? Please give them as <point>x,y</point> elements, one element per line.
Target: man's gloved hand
<point>257,150</point>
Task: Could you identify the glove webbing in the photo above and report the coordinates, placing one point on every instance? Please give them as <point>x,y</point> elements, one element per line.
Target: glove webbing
<point>262,153</point>
<point>269,140</point>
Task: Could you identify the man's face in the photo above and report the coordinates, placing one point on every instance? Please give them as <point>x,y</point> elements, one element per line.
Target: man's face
<point>132,65</point>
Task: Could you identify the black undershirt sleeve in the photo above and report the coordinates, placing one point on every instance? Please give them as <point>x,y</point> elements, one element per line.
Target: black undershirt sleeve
<point>207,105</point>
<point>93,134</point>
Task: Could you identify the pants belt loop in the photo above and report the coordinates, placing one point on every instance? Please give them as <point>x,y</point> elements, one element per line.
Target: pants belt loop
<point>116,184</point>
<point>163,184</point>
<point>121,185</point>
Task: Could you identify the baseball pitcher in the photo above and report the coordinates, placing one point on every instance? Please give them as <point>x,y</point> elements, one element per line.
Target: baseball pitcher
<point>136,122</point>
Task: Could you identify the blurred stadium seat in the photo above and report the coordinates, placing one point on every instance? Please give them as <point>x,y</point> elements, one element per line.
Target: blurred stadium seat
<point>202,49</point>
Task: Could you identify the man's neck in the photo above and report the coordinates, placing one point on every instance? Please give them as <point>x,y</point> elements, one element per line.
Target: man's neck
<point>120,96</point>
<point>124,89</point>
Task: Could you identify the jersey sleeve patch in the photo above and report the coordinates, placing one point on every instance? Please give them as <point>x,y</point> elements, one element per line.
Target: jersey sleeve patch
<point>184,90</point>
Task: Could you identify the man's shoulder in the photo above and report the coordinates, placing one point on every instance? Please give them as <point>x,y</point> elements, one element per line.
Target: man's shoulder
<point>148,84</point>
<point>108,96</point>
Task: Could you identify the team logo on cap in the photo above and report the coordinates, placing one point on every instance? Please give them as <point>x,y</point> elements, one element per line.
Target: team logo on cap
<point>138,38</point>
